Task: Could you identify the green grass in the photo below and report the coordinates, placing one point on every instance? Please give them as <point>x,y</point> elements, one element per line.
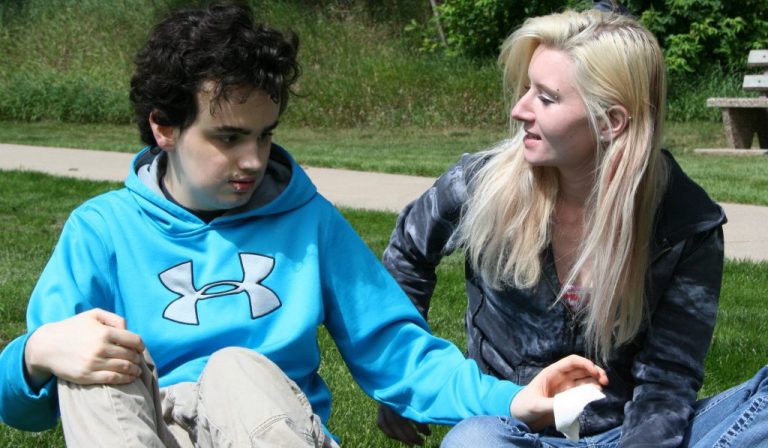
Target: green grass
<point>103,137</point>
<point>739,347</point>
<point>29,234</point>
<point>71,61</point>
<point>423,151</point>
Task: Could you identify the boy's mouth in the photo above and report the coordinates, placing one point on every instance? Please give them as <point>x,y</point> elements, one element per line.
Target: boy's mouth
<point>244,184</point>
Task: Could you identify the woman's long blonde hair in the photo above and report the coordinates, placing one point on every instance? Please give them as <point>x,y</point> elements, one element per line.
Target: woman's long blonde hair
<point>507,223</point>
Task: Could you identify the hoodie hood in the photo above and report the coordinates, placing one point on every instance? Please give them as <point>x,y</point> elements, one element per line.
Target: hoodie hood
<point>685,209</point>
<point>285,187</point>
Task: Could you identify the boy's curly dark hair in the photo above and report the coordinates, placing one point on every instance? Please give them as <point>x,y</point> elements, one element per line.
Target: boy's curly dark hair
<point>220,43</point>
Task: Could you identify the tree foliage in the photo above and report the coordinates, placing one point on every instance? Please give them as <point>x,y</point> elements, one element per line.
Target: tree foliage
<point>695,34</point>
<point>476,28</point>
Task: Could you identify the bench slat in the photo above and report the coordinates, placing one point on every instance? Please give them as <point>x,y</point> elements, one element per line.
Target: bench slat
<point>756,82</point>
<point>759,102</point>
<point>758,58</point>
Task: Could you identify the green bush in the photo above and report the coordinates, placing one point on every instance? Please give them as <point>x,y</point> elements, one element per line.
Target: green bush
<point>697,34</point>
<point>476,28</point>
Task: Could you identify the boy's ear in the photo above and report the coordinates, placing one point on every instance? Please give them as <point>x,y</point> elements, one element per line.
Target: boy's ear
<point>618,120</point>
<point>165,135</point>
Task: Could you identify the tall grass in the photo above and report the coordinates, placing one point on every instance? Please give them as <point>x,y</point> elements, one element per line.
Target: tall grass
<point>70,60</point>
<point>687,96</point>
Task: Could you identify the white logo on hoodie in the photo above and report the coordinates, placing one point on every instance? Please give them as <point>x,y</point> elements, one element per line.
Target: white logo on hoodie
<point>179,280</point>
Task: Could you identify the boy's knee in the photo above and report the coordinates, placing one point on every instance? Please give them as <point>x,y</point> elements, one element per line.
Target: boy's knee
<point>231,361</point>
<point>233,355</point>
<point>238,369</point>
<point>244,394</point>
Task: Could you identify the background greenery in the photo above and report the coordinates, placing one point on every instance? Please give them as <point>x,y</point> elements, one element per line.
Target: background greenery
<point>70,60</point>
<point>694,33</point>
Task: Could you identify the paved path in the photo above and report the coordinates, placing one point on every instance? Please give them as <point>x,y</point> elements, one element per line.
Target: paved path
<point>746,234</point>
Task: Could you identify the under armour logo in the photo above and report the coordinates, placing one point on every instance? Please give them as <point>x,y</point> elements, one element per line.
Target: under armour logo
<point>179,279</point>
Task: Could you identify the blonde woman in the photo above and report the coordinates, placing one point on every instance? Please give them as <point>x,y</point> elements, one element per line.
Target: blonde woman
<point>581,237</point>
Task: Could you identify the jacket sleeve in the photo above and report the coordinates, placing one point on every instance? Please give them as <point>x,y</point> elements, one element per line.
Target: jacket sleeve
<point>71,282</point>
<point>423,235</point>
<point>669,369</point>
<point>387,345</point>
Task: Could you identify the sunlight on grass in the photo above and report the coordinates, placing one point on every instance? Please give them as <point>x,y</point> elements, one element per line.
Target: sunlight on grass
<point>739,347</point>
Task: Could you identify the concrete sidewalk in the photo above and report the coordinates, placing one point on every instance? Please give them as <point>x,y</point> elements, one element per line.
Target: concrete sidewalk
<point>746,235</point>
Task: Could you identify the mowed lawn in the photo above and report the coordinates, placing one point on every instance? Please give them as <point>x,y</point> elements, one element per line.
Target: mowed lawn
<point>423,151</point>
<point>34,206</point>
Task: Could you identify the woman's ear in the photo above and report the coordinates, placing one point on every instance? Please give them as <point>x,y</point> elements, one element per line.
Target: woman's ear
<point>165,135</point>
<point>618,120</point>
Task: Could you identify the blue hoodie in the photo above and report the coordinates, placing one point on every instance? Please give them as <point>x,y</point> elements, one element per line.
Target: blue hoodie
<point>264,276</point>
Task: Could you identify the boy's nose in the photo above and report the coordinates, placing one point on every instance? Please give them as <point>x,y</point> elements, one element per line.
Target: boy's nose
<point>254,157</point>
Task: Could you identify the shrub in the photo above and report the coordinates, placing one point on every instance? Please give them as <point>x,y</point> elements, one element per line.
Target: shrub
<point>697,34</point>
<point>476,28</point>
<point>694,33</point>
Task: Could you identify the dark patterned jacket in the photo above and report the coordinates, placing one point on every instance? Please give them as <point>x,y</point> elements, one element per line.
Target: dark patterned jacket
<point>514,333</point>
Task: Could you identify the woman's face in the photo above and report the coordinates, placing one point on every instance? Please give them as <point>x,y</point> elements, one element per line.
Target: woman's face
<point>557,131</point>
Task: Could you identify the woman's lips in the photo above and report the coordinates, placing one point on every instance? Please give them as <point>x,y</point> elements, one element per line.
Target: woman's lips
<point>530,138</point>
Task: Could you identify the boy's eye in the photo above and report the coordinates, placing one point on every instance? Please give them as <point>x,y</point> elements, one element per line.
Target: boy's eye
<point>228,138</point>
<point>265,136</point>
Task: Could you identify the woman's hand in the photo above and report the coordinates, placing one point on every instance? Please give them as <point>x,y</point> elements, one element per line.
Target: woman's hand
<point>93,347</point>
<point>534,404</point>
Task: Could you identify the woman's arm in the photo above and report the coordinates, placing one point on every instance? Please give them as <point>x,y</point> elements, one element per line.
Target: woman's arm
<point>669,369</point>
<point>423,235</point>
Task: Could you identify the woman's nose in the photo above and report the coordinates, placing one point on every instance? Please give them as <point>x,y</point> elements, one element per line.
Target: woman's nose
<point>520,111</point>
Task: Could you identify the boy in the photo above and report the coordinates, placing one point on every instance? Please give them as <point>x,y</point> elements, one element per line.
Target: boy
<point>220,260</point>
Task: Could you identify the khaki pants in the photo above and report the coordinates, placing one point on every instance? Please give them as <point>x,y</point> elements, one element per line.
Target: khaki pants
<point>242,399</point>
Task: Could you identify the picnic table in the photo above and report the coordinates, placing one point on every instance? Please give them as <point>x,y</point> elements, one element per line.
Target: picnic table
<point>746,116</point>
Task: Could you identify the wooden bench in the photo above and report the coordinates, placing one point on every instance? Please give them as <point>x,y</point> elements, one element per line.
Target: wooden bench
<point>745,117</point>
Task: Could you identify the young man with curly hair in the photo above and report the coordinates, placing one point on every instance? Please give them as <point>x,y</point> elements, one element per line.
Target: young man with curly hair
<point>220,259</point>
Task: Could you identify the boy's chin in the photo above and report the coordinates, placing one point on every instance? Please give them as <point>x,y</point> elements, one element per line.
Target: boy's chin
<point>239,202</point>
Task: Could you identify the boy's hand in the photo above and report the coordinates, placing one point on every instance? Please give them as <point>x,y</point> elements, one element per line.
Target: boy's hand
<point>534,404</point>
<point>90,348</point>
<point>400,428</point>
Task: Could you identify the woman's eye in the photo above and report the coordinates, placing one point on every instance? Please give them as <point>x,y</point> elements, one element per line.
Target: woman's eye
<point>546,100</point>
